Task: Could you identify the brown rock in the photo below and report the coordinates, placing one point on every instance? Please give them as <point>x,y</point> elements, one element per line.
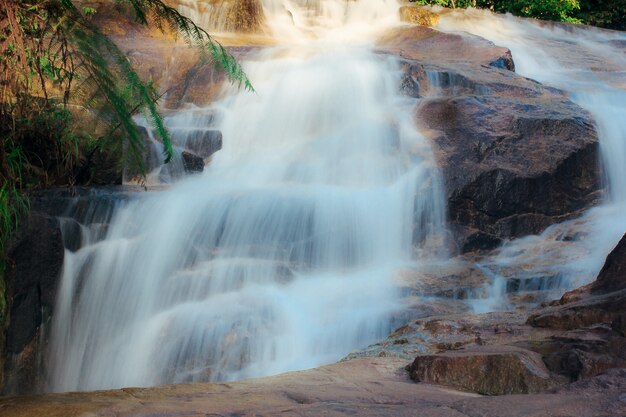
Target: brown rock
<point>490,187</point>
<point>494,371</point>
<point>516,156</point>
<point>244,16</point>
<point>363,387</point>
<point>601,302</point>
<point>612,277</point>
<point>418,15</point>
<point>192,162</point>
<point>602,309</point>
<point>427,46</point>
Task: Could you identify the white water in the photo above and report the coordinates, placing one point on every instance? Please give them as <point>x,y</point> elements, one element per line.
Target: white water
<point>590,64</point>
<point>280,256</point>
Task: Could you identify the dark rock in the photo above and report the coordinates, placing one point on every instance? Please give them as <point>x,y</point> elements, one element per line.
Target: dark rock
<point>37,259</point>
<point>495,371</point>
<point>516,156</point>
<point>201,141</point>
<point>512,167</point>
<point>192,162</point>
<point>612,277</point>
<point>504,62</point>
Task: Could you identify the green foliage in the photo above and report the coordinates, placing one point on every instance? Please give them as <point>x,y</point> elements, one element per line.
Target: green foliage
<point>604,13</point>
<point>55,60</point>
<point>557,10</point>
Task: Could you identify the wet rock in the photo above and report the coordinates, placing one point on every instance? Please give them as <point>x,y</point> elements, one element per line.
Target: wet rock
<point>426,46</point>
<point>493,192</point>
<point>604,309</point>
<point>612,277</point>
<point>418,15</point>
<point>603,302</point>
<point>516,156</point>
<point>494,371</point>
<point>35,265</point>
<point>579,355</point>
<point>363,387</point>
<point>36,260</point>
<point>201,141</point>
<point>243,16</point>
<point>192,162</point>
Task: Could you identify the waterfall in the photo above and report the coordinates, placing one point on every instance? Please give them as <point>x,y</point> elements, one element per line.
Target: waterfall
<point>282,254</point>
<point>590,65</point>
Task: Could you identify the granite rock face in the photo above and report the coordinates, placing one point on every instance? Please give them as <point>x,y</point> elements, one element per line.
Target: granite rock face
<point>516,156</point>
<point>497,370</point>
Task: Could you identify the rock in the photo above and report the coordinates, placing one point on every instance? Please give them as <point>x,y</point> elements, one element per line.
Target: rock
<point>612,277</point>
<point>495,371</point>
<point>580,355</point>
<point>516,156</point>
<point>600,396</point>
<point>192,162</point>
<point>426,46</point>
<point>490,186</point>
<point>201,141</point>
<point>589,311</point>
<point>244,16</point>
<point>365,387</point>
<point>418,15</point>
<point>36,260</point>
<point>601,302</point>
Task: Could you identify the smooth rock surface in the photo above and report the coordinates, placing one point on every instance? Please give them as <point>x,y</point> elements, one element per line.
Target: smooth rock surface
<point>363,387</point>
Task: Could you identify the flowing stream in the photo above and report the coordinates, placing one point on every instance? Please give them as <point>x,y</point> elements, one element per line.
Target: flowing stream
<point>280,256</point>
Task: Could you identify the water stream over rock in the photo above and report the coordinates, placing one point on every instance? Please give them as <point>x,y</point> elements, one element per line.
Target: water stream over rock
<point>286,252</point>
<point>589,64</point>
<point>280,256</point>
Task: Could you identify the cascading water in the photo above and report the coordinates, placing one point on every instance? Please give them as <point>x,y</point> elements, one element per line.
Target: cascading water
<point>590,64</point>
<point>280,256</point>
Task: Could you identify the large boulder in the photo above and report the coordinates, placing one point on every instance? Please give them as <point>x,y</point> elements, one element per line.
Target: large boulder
<point>512,166</point>
<point>516,156</point>
<point>499,370</point>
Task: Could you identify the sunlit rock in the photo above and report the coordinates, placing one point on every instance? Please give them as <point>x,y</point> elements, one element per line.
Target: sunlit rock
<point>418,15</point>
